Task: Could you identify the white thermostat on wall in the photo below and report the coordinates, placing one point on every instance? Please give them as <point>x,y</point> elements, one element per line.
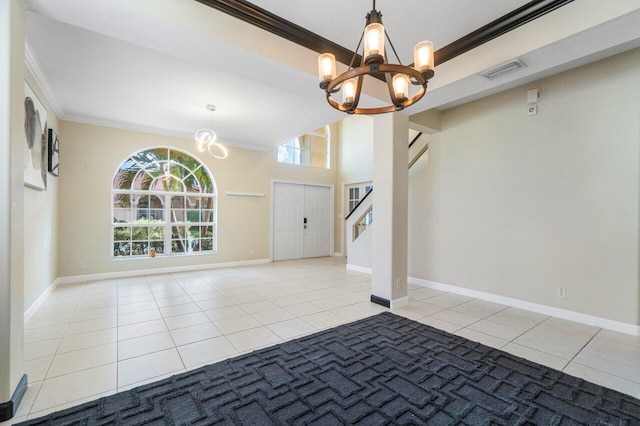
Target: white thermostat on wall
<point>533,96</point>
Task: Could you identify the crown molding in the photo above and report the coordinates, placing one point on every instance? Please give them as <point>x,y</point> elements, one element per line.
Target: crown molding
<point>512,20</point>
<point>32,64</point>
<point>83,119</point>
<point>254,15</point>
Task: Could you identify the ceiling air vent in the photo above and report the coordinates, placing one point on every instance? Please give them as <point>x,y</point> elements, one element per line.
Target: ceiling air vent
<point>503,69</point>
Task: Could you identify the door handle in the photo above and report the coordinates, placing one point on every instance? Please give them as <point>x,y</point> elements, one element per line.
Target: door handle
<point>305,227</point>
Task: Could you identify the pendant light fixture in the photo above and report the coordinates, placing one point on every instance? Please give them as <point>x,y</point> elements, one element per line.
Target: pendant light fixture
<point>374,62</point>
<point>206,141</point>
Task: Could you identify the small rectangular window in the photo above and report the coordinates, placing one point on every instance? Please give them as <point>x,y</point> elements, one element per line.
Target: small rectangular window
<point>311,149</point>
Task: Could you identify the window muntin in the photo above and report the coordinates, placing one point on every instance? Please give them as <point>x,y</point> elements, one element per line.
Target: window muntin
<point>356,192</point>
<point>354,198</point>
<point>163,199</point>
<point>311,149</point>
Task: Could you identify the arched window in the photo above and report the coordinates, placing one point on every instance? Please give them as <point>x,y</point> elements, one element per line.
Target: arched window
<point>164,203</point>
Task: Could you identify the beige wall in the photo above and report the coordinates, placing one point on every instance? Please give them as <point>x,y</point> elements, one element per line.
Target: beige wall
<point>519,205</point>
<point>355,133</point>
<point>41,220</point>
<point>355,164</point>
<point>89,157</point>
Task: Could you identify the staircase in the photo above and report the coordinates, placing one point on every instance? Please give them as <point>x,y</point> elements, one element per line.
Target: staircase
<point>360,219</point>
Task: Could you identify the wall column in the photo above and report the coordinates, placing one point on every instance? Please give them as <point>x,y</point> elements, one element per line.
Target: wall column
<point>390,209</point>
<point>12,380</point>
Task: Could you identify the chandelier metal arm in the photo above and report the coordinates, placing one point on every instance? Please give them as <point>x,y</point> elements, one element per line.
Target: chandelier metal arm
<point>421,78</point>
<point>394,100</point>
<point>379,110</point>
<point>355,52</point>
<point>334,85</point>
<point>374,63</point>
<point>415,77</point>
<point>350,107</point>
<point>386,33</point>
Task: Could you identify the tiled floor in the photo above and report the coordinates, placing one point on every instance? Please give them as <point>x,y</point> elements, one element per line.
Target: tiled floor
<point>94,339</point>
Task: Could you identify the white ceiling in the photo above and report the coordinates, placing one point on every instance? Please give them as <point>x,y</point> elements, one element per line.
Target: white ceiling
<point>407,22</point>
<point>153,65</point>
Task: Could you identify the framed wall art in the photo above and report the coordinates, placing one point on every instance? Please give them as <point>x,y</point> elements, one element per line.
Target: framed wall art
<point>54,153</point>
<point>36,131</point>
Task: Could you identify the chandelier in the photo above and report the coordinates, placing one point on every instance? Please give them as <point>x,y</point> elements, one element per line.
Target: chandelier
<point>206,140</point>
<point>374,63</point>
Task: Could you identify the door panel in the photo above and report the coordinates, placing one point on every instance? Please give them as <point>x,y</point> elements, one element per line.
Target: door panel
<point>317,210</point>
<point>292,238</point>
<point>287,234</point>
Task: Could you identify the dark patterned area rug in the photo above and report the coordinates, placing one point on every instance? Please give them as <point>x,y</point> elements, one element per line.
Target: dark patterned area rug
<point>384,369</point>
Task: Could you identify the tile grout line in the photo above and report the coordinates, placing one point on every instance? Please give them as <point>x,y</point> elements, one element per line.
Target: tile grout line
<point>164,320</point>
<point>604,372</point>
<point>55,353</point>
<point>488,319</point>
<point>117,334</point>
<point>523,333</point>
<point>634,346</point>
<point>301,284</point>
<point>581,349</point>
<point>463,326</point>
<point>467,326</point>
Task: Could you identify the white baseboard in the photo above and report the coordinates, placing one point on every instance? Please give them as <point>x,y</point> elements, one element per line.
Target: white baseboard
<point>503,300</point>
<point>156,271</point>
<point>40,300</point>
<point>337,254</point>
<point>358,268</point>
<point>534,307</point>
<point>609,324</point>
<point>399,303</point>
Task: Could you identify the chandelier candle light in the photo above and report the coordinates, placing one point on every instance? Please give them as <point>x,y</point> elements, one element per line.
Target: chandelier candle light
<point>374,63</point>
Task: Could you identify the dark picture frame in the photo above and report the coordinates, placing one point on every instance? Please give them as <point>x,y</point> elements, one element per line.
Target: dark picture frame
<point>36,146</point>
<point>54,153</point>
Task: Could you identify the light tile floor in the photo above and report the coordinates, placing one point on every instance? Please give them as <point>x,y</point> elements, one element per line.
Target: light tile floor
<point>97,338</point>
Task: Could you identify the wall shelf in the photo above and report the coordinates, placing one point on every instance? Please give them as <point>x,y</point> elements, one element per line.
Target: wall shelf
<point>245,194</point>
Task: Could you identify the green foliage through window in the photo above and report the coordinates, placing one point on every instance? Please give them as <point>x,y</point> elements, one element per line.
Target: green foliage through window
<point>163,200</point>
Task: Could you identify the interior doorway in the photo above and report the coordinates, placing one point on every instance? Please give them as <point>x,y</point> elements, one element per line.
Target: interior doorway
<point>353,194</point>
<point>302,221</point>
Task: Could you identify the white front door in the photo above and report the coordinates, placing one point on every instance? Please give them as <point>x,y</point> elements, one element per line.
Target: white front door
<point>301,221</point>
<point>317,221</point>
<point>288,202</point>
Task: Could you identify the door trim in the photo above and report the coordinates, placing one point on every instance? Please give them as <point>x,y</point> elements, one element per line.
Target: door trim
<point>341,216</point>
<point>272,186</point>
